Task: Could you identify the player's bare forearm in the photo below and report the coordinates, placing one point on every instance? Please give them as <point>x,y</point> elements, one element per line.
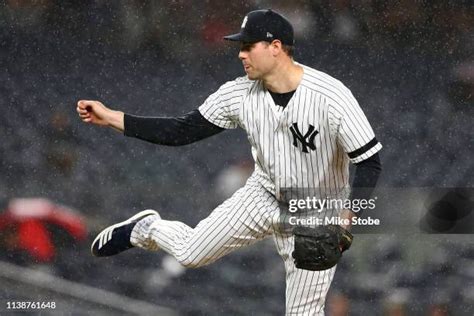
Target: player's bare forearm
<point>347,216</point>
<point>116,121</point>
<point>96,113</point>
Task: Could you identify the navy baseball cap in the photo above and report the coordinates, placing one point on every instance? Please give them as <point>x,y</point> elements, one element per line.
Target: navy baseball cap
<point>264,25</point>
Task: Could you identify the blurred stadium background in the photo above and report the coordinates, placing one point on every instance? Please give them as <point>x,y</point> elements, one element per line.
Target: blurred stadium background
<point>409,63</point>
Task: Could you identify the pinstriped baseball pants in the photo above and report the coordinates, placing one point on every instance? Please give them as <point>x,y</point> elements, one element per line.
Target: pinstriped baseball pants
<point>250,215</point>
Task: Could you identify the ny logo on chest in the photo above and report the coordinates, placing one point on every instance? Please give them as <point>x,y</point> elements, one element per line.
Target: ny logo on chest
<point>306,140</point>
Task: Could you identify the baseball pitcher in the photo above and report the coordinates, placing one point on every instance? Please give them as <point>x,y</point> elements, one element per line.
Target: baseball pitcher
<point>304,127</point>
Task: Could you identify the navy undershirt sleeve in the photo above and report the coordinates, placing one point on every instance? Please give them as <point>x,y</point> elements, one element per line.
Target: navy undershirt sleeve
<point>170,131</point>
<point>367,173</point>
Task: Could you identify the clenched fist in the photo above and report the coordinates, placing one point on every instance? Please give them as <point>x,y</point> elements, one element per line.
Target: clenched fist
<point>95,112</point>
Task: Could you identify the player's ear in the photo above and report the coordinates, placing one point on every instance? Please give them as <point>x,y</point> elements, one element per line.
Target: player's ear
<point>276,47</point>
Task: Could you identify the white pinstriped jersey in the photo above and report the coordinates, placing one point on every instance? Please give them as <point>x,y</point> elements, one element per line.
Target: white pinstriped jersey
<point>307,145</point>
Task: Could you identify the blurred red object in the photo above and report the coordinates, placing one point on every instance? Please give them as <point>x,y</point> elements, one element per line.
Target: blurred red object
<point>213,31</point>
<point>28,222</point>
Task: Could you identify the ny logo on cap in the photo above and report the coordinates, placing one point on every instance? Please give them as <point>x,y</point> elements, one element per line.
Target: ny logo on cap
<point>244,22</point>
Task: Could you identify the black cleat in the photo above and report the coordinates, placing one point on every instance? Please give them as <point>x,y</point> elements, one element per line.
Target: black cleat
<point>116,238</point>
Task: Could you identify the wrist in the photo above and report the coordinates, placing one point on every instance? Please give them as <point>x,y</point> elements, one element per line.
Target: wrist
<point>347,216</point>
<point>115,120</point>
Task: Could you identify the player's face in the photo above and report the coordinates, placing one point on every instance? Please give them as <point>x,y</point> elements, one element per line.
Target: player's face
<point>256,59</point>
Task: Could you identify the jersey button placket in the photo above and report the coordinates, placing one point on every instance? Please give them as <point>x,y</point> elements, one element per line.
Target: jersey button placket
<point>280,163</point>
